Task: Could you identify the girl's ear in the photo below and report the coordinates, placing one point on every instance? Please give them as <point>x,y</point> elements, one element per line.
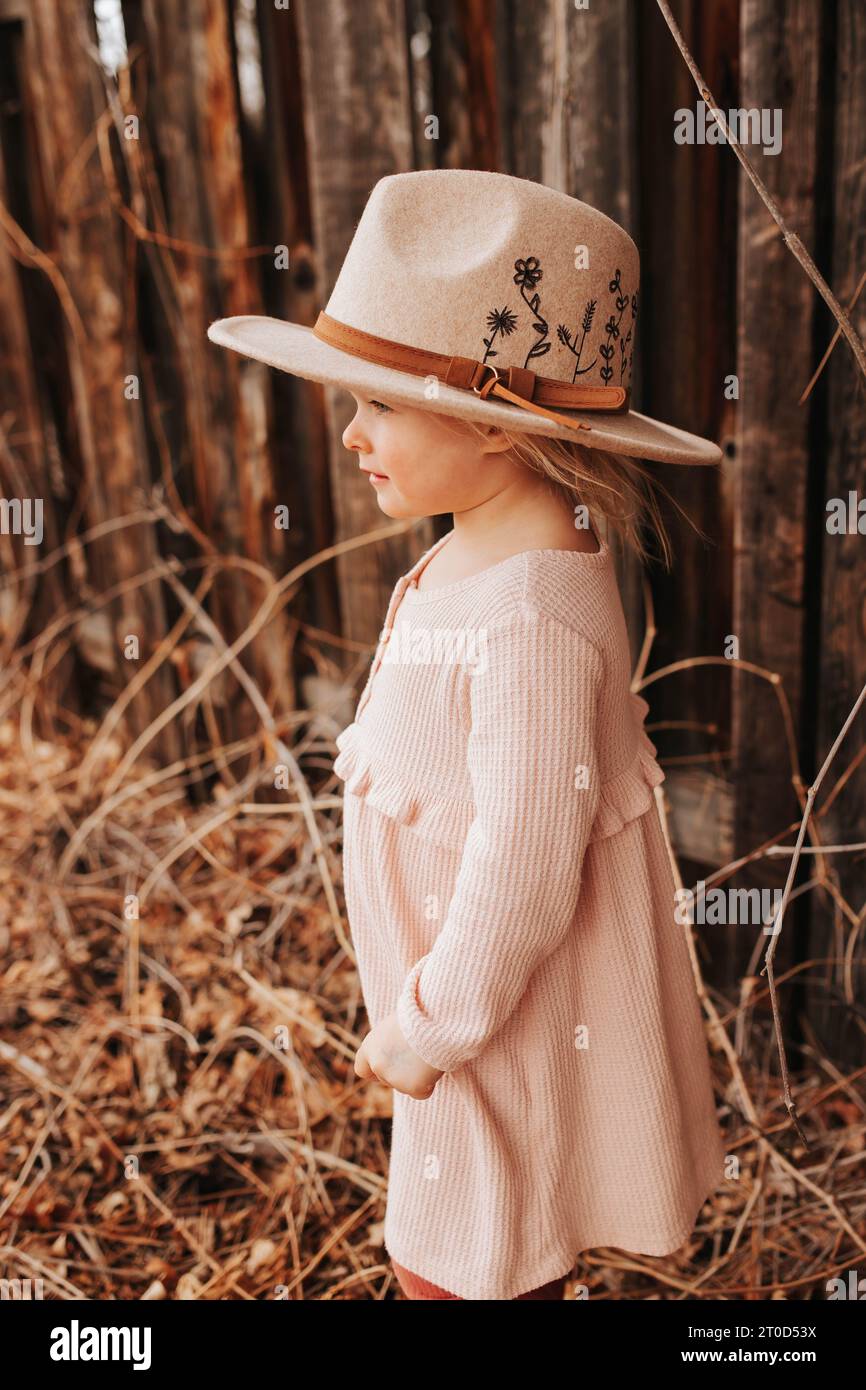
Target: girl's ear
<point>494,441</point>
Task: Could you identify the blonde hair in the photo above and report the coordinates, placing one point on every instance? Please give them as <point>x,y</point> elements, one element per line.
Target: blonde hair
<point>612,486</point>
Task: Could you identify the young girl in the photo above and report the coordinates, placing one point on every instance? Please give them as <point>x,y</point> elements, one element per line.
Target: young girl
<point>512,907</point>
<point>511,903</point>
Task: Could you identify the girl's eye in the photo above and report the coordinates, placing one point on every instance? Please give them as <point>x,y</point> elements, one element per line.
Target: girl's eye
<point>380,407</point>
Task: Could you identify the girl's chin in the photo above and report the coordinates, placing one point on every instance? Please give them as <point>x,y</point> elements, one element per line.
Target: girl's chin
<point>396,513</point>
<point>399,508</point>
<point>390,503</point>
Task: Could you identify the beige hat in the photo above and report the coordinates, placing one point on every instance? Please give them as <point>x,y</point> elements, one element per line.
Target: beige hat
<point>485,297</point>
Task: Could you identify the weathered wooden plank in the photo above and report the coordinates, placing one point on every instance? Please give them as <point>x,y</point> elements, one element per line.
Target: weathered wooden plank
<point>688,198</point>
<point>426,122</point>
<point>780,48</point>
<point>276,161</point>
<point>838,647</point>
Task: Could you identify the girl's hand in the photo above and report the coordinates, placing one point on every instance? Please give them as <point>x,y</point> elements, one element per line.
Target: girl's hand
<point>385,1054</point>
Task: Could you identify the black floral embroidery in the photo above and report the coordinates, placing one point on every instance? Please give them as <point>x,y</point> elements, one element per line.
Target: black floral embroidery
<point>501,321</point>
<point>565,337</point>
<point>611,328</point>
<point>528,274</point>
<point>625,362</point>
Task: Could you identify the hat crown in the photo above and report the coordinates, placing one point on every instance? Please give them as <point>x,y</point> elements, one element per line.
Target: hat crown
<point>475,264</point>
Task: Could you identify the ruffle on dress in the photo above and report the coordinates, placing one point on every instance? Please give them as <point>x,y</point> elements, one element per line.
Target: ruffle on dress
<point>438,818</point>
<point>630,793</point>
<point>446,822</point>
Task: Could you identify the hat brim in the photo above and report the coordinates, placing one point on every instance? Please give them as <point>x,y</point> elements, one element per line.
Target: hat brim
<point>294,348</point>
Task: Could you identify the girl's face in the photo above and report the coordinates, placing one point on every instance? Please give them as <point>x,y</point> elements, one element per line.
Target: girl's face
<point>423,464</point>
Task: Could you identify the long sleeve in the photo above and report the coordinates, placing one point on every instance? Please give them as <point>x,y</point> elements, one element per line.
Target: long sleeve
<point>532,762</point>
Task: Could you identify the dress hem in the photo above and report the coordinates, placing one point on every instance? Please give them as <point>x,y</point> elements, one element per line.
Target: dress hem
<point>553,1268</point>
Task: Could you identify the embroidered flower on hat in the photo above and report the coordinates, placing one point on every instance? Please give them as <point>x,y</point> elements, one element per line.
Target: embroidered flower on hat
<point>612,328</point>
<point>528,274</point>
<point>625,365</point>
<point>501,321</point>
<point>564,336</point>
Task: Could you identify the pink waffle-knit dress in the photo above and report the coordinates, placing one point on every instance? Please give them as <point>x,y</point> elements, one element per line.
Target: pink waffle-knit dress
<point>509,896</point>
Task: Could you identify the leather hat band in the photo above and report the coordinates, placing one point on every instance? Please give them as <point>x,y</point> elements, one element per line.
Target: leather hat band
<point>515,384</point>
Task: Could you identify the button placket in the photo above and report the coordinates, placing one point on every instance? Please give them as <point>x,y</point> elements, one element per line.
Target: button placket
<point>399,590</point>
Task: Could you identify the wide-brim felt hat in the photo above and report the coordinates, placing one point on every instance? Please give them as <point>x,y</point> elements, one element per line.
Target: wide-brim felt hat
<point>488,298</point>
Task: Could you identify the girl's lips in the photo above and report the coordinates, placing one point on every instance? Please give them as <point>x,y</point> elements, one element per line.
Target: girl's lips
<point>378,478</point>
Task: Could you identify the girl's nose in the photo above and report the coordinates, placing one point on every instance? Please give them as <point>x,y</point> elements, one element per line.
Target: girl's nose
<point>353,436</point>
